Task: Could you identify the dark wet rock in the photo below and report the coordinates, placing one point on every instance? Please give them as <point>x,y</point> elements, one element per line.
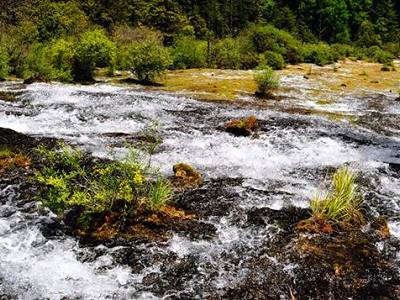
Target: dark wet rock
<point>284,218</point>
<point>9,96</point>
<point>35,79</point>
<point>173,277</point>
<point>22,143</point>
<point>216,198</point>
<point>344,264</point>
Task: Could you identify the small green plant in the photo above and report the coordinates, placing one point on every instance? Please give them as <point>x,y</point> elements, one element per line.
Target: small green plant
<point>5,152</point>
<point>159,194</point>
<point>267,81</point>
<point>342,202</point>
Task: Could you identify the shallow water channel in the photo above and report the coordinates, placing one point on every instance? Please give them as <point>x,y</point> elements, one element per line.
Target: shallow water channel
<point>285,165</point>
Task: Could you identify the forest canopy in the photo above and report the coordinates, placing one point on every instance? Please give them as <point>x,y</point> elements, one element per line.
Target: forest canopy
<point>42,38</point>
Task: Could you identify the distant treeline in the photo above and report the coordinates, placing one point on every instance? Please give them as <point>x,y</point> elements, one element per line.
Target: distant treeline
<point>67,40</point>
<point>333,21</point>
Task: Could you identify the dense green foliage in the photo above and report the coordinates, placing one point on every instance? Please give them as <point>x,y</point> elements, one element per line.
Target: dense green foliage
<point>148,59</point>
<point>68,40</point>
<point>93,49</point>
<point>70,180</point>
<point>188,52</point>
<point>4,61</point>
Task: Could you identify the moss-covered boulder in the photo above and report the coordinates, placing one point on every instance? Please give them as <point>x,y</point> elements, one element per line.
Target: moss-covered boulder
<point>242,127</point>
<point>186,177</point>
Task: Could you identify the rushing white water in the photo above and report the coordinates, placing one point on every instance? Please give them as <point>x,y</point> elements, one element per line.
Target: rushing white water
<point>283,166</point>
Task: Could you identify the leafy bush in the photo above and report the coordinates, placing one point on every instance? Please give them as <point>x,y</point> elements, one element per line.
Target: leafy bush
<point>93,49</point>
<point>226,54</point>
<point>320,54</point>
<point>393,48</point>
<point>341,51</point>
<point>342,201</point>
<point>4,63</point>
<point>376,54</point>
<point>267,81</point>
<point>46,62</point>
<point>148,59</point>
<point>37,65</point>
<point>274,60</point>
<point>61,55</point>
<point>268,38</point>
<point>60,19</point>
<point>68,181</point>
<point>189,53</point>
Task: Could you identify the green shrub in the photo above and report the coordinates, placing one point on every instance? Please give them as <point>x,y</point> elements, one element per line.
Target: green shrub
<point>37,65</point>
<point>46,62</point>
<point>376,54</point>
<point>147,60</point>
<point>341,51</point>
<point>274,60</point>
<point>250,60</point>
<point>320,54</point>
<point>189,53</point>
<point>4,63</point>
<point>267,81</point>
<point>393,48</point>
<point>226,54</point>
<point>268,38</point>
<point>61,55</point>
<point>342,202</point>
<point>93,49</point>
<point>69,181</point>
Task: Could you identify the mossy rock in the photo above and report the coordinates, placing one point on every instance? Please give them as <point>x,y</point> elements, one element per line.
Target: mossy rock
<point>186,176</point>
<point>242,127</point>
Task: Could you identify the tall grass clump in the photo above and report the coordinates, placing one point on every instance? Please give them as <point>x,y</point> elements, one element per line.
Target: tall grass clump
<point>342,202</point>
<point>267,81</point>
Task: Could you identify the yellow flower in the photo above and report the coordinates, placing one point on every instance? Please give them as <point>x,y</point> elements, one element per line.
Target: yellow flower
<point>138,178</point>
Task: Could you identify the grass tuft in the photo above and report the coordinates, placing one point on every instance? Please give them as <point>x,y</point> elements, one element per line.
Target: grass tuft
<point>343,200</point>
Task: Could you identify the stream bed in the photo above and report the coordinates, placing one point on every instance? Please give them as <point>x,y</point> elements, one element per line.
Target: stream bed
<point>283,167</point>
